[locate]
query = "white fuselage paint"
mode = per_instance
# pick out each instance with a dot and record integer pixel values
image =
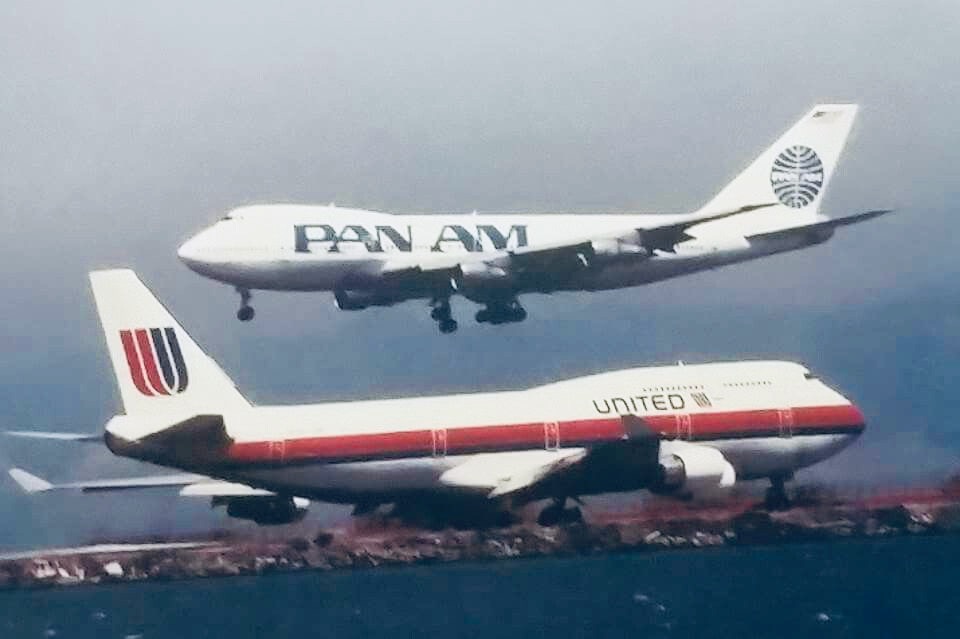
(324, 248)
(660, 395)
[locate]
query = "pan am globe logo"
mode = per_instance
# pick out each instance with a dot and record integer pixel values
(797, 176)
(155, 361)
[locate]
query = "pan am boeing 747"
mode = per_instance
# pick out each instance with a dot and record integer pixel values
(368, 258)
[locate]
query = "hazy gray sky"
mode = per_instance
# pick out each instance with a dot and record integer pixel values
(125, 127)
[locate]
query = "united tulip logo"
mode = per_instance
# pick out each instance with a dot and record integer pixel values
(155, 361)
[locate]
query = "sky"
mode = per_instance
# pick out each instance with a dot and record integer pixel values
(125, 127)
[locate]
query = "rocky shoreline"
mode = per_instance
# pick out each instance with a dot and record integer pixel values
(610, 533)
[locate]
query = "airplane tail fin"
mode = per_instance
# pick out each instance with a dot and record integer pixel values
(159, 368)
(795, 171)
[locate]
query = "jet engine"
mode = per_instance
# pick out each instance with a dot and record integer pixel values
(355, 300)
(265, 510)
(612, 249)
(689, 470)
(482, 282)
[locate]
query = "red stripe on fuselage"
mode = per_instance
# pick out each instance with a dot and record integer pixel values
(133, 362)
(533, 436)
(150, 362)
(802, 420)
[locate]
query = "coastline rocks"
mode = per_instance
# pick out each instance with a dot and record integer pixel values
(327, 550)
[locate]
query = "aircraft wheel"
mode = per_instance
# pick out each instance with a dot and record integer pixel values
(246, 313)
(482, 316)
(551, 515)
(776, 497)
(504, 519)
(448, 326)
(571, 516)
(519, 314)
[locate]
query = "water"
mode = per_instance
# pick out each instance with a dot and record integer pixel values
(892, 588)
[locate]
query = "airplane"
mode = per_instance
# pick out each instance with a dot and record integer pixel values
(367, 258)
(684, 431)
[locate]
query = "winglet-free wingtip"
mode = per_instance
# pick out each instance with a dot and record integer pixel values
(29, 483)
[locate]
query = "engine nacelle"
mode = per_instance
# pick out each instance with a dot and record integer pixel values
(481, 282)
(613, 248)
(690, 470)
(354, 300)
(265, 510)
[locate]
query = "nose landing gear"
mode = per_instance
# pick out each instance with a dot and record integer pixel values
(443, 316)
(245, 312)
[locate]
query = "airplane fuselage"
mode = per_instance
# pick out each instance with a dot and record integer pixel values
(307, 248)
(768, 419)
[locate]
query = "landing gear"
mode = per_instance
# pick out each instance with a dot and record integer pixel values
(776, 497)
(443, 316)
(556, 514)
(501, 313)
(246, 312)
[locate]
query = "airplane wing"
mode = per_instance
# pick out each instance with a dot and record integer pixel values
(531, 474)
(191, 485)
(825, 225)
(662, 237)
(575, 252)
(499, 474)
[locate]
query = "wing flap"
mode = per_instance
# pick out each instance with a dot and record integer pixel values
(32, 484)
(499, 474)
(662, 237)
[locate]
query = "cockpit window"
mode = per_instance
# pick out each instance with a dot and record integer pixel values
(809, 375)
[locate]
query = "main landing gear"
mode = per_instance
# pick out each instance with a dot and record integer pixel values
(776, 497)
(556, 513)
(443, 316)
(246, 312)
(501, 313)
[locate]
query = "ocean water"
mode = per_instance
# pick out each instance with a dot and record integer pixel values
(890, 588)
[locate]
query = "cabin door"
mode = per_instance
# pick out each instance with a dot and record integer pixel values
(786, 422)
(551, 436)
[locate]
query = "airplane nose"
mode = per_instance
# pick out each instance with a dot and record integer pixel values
(191, 252)
(859, 422)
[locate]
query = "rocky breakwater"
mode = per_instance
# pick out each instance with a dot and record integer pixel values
(394, 547)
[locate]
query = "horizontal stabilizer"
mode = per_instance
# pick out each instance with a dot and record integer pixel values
(825, 225)
(33, 484)
(29, 483)
(191, 485)
(67, 437)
